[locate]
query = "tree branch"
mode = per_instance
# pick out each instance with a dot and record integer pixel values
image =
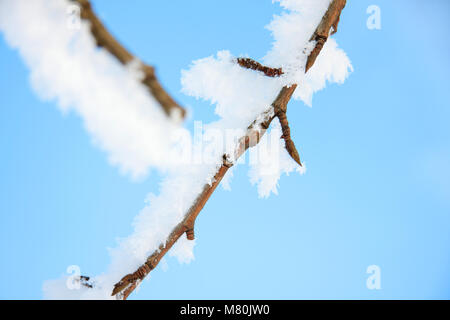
(254, 132)
(105, 40)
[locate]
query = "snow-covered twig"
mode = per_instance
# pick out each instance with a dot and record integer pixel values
(327, 26)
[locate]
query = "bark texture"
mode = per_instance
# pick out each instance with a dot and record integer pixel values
(255, 65)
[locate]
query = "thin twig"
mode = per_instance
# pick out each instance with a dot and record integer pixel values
(280, 112)
(289, 143)
(328, 25)
(255, 65)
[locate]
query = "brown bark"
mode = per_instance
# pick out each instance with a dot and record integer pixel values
(105, 40)
(328, 25)
(254, 132)
(255, 65)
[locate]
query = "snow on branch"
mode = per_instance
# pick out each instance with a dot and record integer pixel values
(128, 284)
(129, 120)
(104, 39)
(121, 115)
(249, 63)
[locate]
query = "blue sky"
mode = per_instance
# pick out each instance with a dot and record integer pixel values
(377, 189)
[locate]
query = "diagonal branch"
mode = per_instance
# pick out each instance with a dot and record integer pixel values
(105, 40)
(254, 132)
